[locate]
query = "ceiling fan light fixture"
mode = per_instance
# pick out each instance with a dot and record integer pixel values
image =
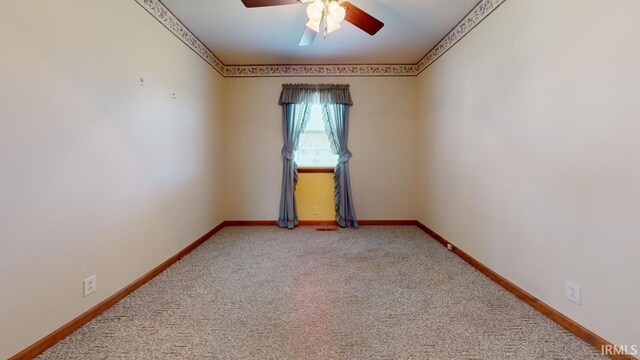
(325, 16)
(314, 13)
(332, 26)
(338, 14)
(315, 10)
(314, 25)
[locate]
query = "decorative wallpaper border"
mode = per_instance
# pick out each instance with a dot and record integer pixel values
(319, 70)
(158, 10)
(475, 17)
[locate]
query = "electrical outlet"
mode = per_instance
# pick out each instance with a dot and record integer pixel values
(573, 293)
(315, 210)
(90, 285)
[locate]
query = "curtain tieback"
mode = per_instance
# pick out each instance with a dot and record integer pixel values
(287, 153)
(344, 156)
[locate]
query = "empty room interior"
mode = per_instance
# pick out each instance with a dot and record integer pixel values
(320, 179)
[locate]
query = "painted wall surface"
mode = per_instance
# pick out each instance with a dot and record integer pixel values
(529, 143)
(315, 190)
(382, 138)
(99, 174)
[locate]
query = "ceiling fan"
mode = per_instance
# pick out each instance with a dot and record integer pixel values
(325, 16)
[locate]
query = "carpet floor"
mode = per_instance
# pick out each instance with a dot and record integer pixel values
(387, 292)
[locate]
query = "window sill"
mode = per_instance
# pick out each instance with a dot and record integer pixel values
(316, 170)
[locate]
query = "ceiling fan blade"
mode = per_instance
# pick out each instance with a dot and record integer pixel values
(307, 37)
(261, 3)
(361, 19)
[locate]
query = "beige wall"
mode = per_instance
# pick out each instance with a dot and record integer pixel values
(529, 143)
(99, 175)
(382, 138)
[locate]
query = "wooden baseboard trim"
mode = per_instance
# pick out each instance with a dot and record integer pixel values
(386, 222)
(64, 331)
(576, 329)
(319, 222)
(250, 223)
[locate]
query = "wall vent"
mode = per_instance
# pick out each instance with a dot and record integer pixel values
(327, 229)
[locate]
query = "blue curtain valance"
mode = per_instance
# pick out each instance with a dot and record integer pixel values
(315, 94)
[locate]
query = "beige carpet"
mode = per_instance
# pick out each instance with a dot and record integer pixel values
(372, 293)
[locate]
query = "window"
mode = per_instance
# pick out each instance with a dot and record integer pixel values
(314, 149)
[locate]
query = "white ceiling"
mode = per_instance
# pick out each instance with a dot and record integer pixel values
(270, 35)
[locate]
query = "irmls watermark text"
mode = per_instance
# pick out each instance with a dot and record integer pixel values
(619, 349)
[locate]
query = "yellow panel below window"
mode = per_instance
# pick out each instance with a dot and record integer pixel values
(315, 190)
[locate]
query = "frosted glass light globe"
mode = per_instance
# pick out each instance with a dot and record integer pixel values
(338, 14)
(314, 10)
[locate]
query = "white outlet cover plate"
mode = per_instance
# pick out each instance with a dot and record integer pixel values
(90, 285)
(574, 293)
